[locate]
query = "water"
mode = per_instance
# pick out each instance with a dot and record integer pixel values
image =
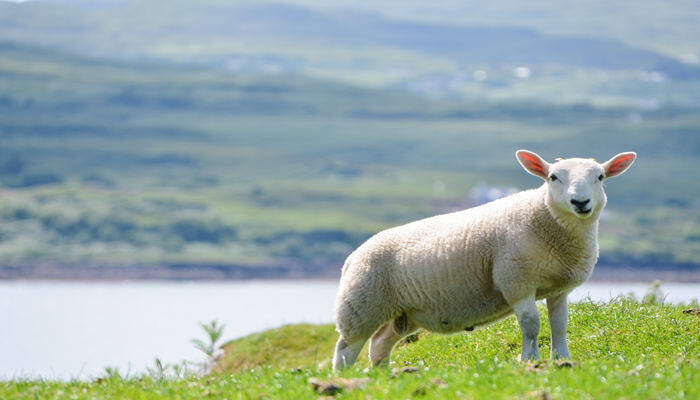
(63, 330)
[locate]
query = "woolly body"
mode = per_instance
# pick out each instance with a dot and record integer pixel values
(456, 271)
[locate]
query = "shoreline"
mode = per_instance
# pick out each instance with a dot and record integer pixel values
(224, 272)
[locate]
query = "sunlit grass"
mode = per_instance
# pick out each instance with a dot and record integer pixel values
(621, 349)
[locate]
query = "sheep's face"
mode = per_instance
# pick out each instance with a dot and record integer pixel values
(575, 185)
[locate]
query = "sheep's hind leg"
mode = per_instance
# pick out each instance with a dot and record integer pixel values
(346, 353)
(384, 339)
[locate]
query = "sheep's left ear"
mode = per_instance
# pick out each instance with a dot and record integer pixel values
(533, 163)
(619, 164)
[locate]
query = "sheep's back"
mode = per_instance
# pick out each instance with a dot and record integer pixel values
(442, 258)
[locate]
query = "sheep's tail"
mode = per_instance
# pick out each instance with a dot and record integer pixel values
(346, 264)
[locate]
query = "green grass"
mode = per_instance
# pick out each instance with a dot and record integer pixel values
(622, 350)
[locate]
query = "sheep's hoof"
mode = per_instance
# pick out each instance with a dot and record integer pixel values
(564, 363)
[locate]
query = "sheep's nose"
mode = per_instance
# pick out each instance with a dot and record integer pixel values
(580, 203)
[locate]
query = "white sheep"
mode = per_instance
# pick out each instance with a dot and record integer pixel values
(457, 271)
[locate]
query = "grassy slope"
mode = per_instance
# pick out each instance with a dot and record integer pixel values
(246, 35)
(646, 23)
(623, 349)
(155, 164)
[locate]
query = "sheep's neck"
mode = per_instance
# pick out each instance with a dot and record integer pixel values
(573, 231)
(587, 227)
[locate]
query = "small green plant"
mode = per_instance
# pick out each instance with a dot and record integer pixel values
(111, 373)
(654, 294)
(159, 370)
(180, 371)
(214, 331)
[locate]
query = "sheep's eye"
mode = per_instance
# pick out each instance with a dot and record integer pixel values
(600, 178)
(553, 177)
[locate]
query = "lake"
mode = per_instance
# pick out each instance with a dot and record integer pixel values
(64, 330)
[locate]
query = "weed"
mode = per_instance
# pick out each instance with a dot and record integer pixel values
(214, 331)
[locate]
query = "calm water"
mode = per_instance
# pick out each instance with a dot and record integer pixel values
(74, 329)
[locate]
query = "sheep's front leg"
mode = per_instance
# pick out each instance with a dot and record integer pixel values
(529, 320)
(557, 308)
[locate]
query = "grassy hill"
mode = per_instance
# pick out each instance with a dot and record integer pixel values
(623, 349)
(120, 163)
(647, 23)
(572, 56)
(245, 134)
(448, 29)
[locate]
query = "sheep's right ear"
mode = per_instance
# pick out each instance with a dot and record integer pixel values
(533, 163)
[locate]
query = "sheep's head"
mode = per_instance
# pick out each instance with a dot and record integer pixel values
(575, 185)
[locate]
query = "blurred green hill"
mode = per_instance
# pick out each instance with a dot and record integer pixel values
(204, 133)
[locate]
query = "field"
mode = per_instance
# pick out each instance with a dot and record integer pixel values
(134, 145)
(149, 164)
(624, 349)
(265, 139)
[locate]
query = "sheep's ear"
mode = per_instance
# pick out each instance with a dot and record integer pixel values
(619, 164)
(533, 163)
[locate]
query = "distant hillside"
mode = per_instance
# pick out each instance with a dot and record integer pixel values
(472, 45)
(654, 25)
(212, 32)
(120, 164)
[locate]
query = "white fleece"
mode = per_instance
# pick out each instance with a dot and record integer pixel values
(459, 270)
(456, 271)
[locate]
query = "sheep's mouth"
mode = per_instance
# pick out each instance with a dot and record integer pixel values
(581, 211)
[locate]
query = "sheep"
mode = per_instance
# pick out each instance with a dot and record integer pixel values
(457, 271)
